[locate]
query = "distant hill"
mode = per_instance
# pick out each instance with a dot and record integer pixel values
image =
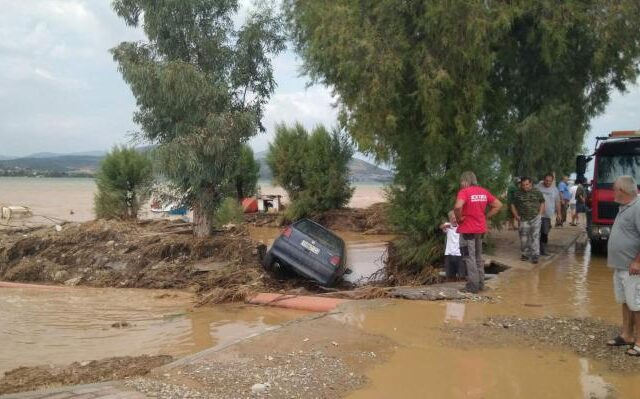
(51, 164)
(59, 164)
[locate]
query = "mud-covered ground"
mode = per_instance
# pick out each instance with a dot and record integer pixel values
(371, 220)
(158, 254)
(115, 368)
(585, 337)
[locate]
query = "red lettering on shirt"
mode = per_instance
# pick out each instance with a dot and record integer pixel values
(475, 200)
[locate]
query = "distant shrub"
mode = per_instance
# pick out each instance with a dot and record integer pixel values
(123, 181)
(245, 179)
(230, 211)
(312, 168)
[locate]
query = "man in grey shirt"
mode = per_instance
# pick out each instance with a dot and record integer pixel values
(624, 258)
(552, 209)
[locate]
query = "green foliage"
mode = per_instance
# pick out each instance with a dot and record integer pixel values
(312, 168)
(123, 181)
(230, 211)
(439, 87)
(201, 86)
(245, 179)
(286, 158)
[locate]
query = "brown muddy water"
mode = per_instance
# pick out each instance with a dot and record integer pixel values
(425, 364)
(42, 326)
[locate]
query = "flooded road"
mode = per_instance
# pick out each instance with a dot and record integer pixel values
(45, 326)
(365, 253)
(428, 364)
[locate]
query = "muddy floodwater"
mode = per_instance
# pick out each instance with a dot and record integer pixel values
(428, 363)
(365, 253)
(63, 325)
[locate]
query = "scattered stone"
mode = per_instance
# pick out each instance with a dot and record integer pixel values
(73, 281)
(259, 388)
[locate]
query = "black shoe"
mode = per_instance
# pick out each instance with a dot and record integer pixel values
(524, 258)
(534, 260)
(545, 253)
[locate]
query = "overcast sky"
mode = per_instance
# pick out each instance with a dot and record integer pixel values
(60, 90)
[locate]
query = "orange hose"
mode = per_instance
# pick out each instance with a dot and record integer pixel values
(310, 303)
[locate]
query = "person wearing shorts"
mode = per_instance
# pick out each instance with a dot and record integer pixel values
(624, 258)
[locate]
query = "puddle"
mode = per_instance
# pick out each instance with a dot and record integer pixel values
(425, 364)
(365, 253)
(74, 324)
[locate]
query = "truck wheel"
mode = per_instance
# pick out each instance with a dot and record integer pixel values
(598, 247)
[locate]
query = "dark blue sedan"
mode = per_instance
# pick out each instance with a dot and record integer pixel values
(309, 250)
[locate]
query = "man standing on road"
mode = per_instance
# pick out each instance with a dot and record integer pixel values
(527, 208)
(624, 257)
(471, 202)
(565, 197)
(551, 209)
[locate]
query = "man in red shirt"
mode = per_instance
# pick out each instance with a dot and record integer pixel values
(471, 202)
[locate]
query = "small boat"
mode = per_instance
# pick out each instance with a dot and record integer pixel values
(171, 209)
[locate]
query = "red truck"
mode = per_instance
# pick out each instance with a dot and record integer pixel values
(616, 155)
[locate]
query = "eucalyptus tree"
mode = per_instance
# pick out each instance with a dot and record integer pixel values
(437, 87)
(201, 80)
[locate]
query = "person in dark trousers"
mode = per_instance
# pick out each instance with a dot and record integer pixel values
(471, 203)
(527, 208)
(623, 256)
(452, 256)
(552, 209)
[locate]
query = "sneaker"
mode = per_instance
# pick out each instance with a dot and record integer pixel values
(534, 260)
(524, 258)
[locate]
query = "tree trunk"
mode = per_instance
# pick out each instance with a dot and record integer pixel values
(202, 221)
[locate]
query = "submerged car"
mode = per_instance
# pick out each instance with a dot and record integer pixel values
(310, 250)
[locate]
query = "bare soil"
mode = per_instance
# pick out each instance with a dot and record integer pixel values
(158, 254)
(151, 254)
(114, 368)
(371, 220)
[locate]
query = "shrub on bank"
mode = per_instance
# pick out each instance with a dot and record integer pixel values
(123, 181)
(312, 167)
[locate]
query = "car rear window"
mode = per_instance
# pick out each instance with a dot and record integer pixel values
(319, 234)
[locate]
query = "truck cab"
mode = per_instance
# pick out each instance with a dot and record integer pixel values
(616, 155)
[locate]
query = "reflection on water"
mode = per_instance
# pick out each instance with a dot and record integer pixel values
(575, 284)
(74, 324)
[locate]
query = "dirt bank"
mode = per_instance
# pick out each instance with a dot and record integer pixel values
(158, 254)
(152, 254)
(114, 368)
(585, 337)
(371, 220)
